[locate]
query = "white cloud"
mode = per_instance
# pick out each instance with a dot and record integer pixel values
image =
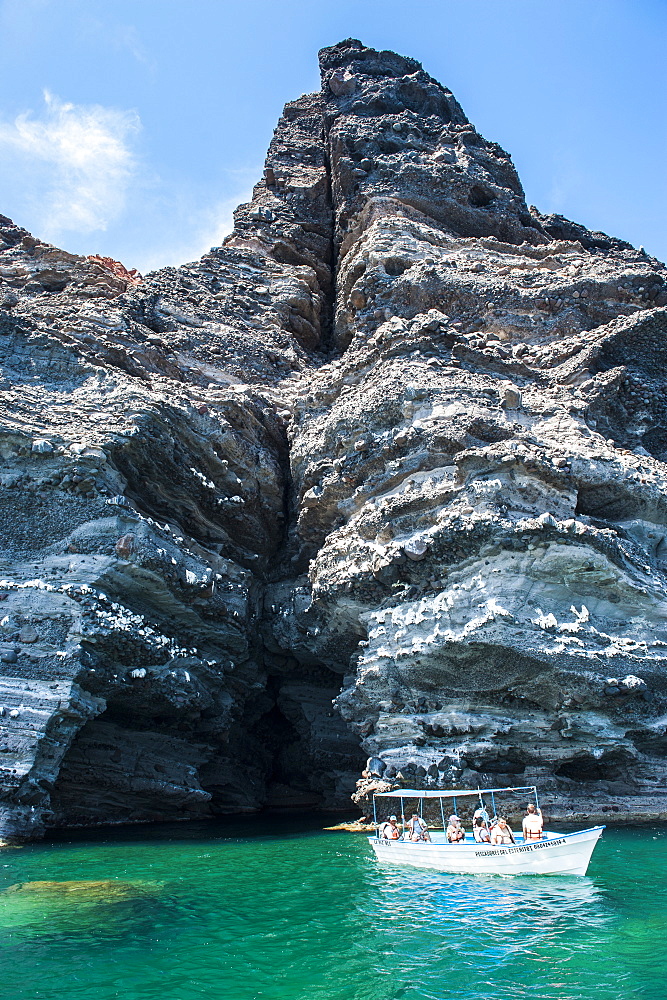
(77, 160)
(192, 232)
(126, 36)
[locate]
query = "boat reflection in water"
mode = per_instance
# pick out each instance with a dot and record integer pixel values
(550, 897)
(482, 929)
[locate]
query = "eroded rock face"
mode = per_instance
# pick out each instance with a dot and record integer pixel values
(399, 444)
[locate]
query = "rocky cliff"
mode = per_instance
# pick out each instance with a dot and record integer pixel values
(382, 475)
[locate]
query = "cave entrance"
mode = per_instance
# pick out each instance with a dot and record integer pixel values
(115, 773)
(289, 764)
(310, 758)
(287, 751)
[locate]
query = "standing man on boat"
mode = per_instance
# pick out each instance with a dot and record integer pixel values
(532, 823)
(481, 813)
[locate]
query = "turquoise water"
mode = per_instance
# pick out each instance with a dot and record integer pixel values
(259, 910)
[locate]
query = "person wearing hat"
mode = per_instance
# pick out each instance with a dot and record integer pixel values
(390, 829)
(455, 832)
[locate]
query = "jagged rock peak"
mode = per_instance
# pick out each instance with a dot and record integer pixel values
(353, 53)
(394, 133)
(347, 66)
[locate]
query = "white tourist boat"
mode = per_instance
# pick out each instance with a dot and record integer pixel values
(554, 854)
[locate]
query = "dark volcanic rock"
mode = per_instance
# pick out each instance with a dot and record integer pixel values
(384, 475)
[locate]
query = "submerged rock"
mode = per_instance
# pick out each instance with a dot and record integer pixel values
(85, 891)
(397, 445)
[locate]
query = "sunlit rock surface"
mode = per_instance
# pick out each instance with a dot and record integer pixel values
(381, 476)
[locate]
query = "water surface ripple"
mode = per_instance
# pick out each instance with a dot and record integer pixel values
(257, 910)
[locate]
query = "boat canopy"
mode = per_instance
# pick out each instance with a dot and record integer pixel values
(449, 793)
(453, 793)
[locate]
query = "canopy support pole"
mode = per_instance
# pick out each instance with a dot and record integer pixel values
(493, 805)
(442, 813)
(537, 801)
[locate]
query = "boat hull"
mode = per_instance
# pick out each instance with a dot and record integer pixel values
(558, 854)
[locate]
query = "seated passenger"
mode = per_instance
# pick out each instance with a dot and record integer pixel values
(417, 829)
(455, 832)
(532, 823)
(501, 833)
(480, 831)
(389, 830)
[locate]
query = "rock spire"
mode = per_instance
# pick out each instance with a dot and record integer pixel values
(383, 475)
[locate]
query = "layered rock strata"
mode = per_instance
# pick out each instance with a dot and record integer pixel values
(382, 475)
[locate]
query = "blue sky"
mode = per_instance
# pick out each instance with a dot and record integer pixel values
(132, 129)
